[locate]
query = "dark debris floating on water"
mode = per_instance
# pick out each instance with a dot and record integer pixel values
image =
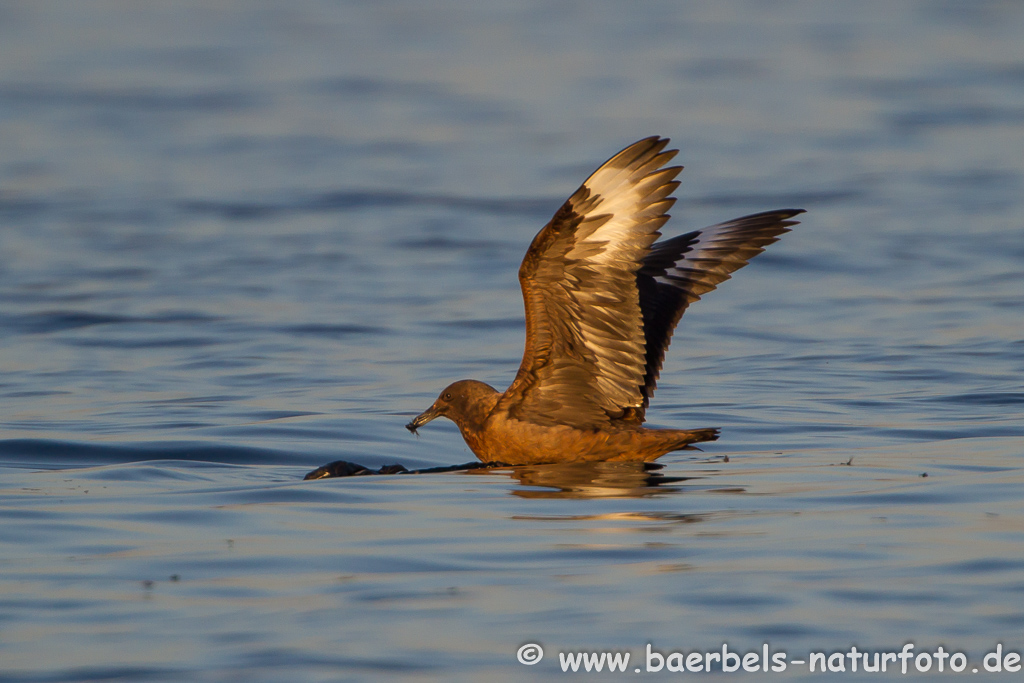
(344, 468)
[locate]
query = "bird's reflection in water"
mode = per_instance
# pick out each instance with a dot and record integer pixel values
(594, 480)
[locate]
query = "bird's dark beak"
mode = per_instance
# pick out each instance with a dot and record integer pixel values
(422, 419)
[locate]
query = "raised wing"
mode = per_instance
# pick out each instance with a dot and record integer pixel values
(678, 271)
(585, 359)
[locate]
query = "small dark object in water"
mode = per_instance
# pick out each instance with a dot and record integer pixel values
(343, 468)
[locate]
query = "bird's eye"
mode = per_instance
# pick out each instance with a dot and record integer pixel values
(448, 396)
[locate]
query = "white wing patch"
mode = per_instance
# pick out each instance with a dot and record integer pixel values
(623, 205)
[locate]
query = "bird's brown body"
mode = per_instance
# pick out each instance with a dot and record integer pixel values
(494, 435)
(602, 300)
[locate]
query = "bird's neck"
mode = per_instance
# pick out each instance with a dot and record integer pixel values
(477, 412)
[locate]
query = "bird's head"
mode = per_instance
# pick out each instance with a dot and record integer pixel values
(464, 402)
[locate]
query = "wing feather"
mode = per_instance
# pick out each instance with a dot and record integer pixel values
(678, 271)
(585, 357)
(603, 298)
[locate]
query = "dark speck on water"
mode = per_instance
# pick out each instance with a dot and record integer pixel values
(241, 240)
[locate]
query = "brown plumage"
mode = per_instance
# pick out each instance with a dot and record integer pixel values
(602, 300)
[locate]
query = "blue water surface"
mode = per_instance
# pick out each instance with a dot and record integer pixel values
(239, 240)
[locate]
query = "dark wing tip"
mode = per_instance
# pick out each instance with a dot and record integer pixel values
(784, 215)
(651, 146)
(778, 214)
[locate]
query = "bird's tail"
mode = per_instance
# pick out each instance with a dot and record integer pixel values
(654, 443)
(687, 436)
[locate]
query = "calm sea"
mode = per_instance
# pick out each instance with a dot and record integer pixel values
(241, 239)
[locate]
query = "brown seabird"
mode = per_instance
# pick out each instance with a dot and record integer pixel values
(602, 300)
